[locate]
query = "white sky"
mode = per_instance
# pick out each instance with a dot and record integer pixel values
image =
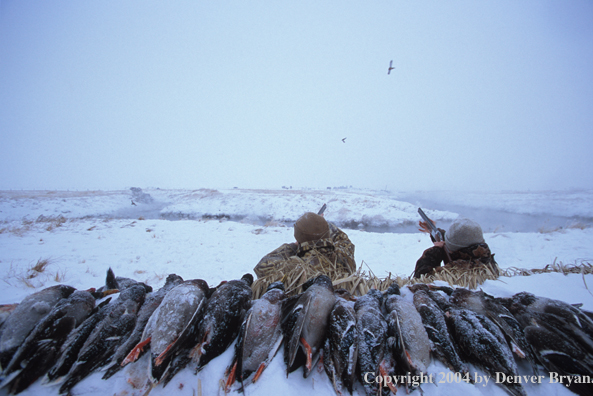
(489, 95)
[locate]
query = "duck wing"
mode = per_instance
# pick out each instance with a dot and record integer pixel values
(47, 347)
(300, 312)
(75, 341)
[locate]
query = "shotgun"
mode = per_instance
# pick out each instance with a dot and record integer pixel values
(320, 213)
(434, 231)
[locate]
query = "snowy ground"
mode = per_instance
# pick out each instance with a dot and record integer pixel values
(220, 235)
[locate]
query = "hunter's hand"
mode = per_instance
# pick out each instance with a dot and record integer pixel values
(424, 226)
(440, 244)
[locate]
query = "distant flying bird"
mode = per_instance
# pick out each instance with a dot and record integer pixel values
(390, 67)
(344, 140)
(133, 203)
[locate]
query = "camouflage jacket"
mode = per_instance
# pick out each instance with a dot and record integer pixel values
(468, 257)
(337, 249)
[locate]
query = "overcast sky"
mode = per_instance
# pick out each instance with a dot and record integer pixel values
(492, 95)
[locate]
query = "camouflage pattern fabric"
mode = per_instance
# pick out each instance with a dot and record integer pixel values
(466, 258)
(337, 249)
(272, 259)
(344, 249)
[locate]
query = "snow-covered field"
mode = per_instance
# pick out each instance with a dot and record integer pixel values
(221, 234)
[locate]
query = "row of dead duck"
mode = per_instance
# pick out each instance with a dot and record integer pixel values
(61, 334)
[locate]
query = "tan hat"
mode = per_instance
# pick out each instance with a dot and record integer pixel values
(310, 227)
(463, 233)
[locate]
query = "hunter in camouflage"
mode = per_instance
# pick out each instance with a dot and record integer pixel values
(466, 246)
(318, 243)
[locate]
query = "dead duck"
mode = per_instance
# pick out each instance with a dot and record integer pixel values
(305, 321)
(179, 311)
(216, 329)
(223, 315)
(561, 355)
(26, 315)
(104, 338)
(340, 352)
(77, 338)
(152, 301)
(442, 345)
(483, 344)
(40, 360)
(567, 318)
(408, 338)
(74, 342)
(556, 350)
(259, 338)
(488, 306)
(371, 329)
(480, 341)
(39, 350)
(557, 335)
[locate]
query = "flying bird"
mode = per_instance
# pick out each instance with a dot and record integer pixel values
(390, 67)
(344, 140)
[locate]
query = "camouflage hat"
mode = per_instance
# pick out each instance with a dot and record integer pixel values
(310, 227)
(463, 233)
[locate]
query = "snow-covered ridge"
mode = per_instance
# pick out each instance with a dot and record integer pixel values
(345, 208)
